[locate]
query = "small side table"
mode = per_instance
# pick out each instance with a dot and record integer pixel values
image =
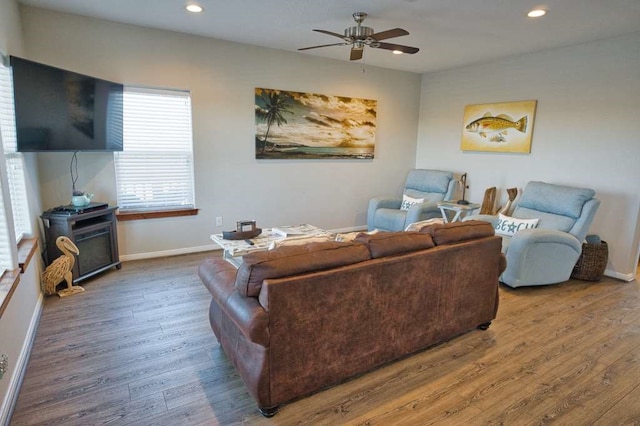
(461, 210)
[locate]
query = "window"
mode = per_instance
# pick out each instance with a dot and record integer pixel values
(155, 170)
(15, 192)
(7, 245)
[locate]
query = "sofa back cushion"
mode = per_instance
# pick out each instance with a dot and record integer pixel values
(292, 260)
(449, 233)
(390, 243)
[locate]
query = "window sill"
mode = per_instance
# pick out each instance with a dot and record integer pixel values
(10, 279)
(139, 215)
(8, 283)
(26, 249)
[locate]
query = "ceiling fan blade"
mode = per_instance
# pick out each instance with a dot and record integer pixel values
(383, 35)
(391, 46)
(356, 53)
(331, 33)
(323, 45)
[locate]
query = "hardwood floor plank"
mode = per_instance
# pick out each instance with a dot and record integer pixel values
(41, 394)
(625, 412)
(137, 348)
(76, 408)
(175, 378)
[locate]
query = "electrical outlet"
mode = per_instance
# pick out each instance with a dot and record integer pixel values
(219, 221)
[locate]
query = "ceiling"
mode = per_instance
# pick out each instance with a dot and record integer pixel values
(449, 33)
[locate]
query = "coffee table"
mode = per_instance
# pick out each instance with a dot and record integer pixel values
(233, 250)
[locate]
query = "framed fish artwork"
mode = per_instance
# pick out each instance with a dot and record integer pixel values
(499, 127)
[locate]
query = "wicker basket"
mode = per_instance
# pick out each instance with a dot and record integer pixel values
(592, 262)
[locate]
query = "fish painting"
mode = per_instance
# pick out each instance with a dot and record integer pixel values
(498, 124)
(499, 127)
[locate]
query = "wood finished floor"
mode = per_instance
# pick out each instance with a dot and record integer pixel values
(136, 348)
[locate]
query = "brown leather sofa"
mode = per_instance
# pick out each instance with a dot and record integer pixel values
(298, 319)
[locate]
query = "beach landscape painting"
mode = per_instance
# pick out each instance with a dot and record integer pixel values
(296, 125)
(499, 127)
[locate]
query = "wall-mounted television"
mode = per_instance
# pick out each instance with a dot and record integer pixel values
(59, 110)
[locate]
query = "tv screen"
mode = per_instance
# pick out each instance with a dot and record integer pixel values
(59, 110)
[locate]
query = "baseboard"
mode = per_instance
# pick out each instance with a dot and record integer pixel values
(166, 253)
(21, 365)
(620, 276)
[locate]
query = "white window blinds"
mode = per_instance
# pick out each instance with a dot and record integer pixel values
(14, 160)
(7, 241)
(155, 170)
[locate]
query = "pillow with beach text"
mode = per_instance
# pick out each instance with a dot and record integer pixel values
(508, 226)
(407, 202)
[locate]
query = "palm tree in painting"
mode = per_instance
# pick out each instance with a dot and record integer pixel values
(275, 105)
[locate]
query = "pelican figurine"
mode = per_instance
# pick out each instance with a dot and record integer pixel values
(60, 269)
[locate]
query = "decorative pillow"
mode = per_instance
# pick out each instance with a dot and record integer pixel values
(407, 202)
(508, 226)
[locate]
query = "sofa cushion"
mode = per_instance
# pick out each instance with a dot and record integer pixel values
(292, 260)
(449, 233)
(390, 243)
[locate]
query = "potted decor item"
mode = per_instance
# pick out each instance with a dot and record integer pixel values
(81, 199)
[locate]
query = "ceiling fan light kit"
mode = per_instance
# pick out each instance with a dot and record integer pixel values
(360, 36)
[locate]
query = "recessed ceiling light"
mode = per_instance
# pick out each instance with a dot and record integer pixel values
(397, 52)
(536, 13)
(194, 8)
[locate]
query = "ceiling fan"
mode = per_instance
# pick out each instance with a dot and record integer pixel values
(360, 36)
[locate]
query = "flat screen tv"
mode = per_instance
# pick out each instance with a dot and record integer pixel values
(59, 110)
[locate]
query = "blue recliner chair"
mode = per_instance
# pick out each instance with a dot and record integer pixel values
(386, 214)
(547, 253)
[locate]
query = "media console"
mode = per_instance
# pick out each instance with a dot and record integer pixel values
(93, 231)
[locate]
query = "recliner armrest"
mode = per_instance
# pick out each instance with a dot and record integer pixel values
(526, 237)
(385, 203)
(380, 203)
(540, 256)
(415, 212)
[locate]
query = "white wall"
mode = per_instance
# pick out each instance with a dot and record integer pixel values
(586, 130)
(222, 77)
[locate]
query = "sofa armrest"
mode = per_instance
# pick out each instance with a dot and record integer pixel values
(381, 203)
(249, 316)
(246, 313)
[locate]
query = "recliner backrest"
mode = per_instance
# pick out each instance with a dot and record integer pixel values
(432, 185)
(558, 207)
